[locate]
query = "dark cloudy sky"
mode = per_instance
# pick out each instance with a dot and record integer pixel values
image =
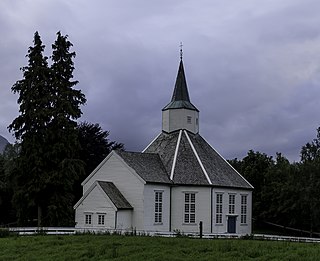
(252, 67)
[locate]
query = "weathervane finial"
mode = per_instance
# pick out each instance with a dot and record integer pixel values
(181, 52)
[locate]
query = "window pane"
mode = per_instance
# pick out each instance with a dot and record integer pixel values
(193, 198)
(186, 197)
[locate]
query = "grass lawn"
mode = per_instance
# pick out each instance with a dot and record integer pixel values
(114, 247)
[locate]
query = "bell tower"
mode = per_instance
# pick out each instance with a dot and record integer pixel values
(180, 113)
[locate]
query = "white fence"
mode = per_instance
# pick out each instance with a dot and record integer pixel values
(72, 230)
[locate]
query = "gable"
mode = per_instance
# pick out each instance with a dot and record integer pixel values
(113, 168)
(110, 193)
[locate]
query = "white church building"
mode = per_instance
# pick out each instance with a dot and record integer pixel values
(175, 183)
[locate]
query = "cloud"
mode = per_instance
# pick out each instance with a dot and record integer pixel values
(252, 66)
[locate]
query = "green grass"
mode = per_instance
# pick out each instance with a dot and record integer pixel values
(111, 247)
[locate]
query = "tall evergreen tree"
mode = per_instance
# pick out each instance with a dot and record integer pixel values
(48, 164)
(30, 129)
(62, 157)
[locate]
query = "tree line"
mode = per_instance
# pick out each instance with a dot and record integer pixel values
(40, 175)
(285, 193)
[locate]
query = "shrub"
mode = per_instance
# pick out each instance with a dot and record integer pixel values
(4, 232)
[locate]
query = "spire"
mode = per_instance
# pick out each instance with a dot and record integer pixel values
(180, 92)
(180, 97)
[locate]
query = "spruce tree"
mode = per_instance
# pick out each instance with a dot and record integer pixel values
(62, 158)
(48, 164)
(30, 129)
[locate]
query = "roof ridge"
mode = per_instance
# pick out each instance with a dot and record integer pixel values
(198, 158)
(175, 155)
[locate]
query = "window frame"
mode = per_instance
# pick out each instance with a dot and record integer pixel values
(158, 207)
(244, 209)
(232, 204)
(88, 218)
(101, 219)
(189, 213)
(219, 208)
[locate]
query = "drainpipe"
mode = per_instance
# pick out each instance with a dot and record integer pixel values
(211, 208)
(115, 219)
(170, 208)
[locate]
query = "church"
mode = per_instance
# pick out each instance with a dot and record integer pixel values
(175, 183)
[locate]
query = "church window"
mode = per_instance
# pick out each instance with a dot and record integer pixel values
(189, 119)
(232, 199)
(88, 219)
(158, 196)
(244, 201)
(189, 208)
(219, 208)
(101, 218)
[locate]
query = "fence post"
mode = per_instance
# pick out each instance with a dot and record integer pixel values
(201, 228)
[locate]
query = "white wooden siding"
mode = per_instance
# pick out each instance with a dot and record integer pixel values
(203, 196)
(176, 119)
(124, 219)
(240, 228)
(95, 203)
(129, 184)
(149, 206)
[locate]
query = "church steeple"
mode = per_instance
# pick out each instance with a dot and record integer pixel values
(180, 97)
(180, 113)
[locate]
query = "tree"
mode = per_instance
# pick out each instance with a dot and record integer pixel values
(30, 129)
(7, 183)
(62, 157)
(48, 163)
(310, 181)
(95, 144)
(311, 151)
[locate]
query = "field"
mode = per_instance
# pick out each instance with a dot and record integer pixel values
(115, 247)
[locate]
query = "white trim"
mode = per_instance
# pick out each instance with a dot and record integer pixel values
(198, 158)
(229, 164)
(113, 153)
(97, 168)
(151, 142)
(175, 155)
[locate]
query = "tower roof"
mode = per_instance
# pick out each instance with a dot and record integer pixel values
(180, 98)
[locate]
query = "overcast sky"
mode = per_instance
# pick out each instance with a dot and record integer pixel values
(252, 67)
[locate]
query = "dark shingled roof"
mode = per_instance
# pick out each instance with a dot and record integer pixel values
(115, 195)
(188, 170)
(147, 165)
(180, 97)
(219, 171)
